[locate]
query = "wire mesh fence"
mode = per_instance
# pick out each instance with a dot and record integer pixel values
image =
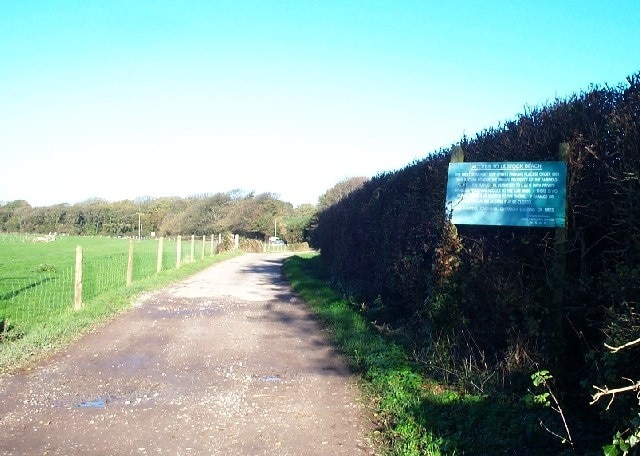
(38, 274)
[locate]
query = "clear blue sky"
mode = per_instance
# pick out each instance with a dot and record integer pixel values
(120, 99)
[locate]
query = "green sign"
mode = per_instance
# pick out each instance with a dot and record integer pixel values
(507, 193)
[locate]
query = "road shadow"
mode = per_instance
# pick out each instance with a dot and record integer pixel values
(15, 292)
(293, 320)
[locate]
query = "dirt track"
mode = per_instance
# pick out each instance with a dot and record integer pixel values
(228, 362)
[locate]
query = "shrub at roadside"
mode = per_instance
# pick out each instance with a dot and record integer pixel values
(416, 415)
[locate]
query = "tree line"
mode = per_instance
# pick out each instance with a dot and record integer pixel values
(247, 214)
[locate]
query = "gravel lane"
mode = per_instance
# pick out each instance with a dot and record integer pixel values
(227, 362)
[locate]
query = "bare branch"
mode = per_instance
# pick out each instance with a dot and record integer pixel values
(628, 344)
(555, 434)
(559, 410)
(612, 392)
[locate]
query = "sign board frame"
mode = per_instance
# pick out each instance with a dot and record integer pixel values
(527, 194)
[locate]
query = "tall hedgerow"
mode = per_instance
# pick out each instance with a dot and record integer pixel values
(491, 305)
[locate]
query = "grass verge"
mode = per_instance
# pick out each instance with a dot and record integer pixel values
(22, 350)
(416, 415)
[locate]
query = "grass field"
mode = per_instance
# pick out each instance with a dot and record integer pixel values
(37, 285)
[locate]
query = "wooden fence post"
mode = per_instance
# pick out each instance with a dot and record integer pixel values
(556, 314)
(130, 264)
(179, 251)
(77, 302)
(204, 243)
(160, 252)
(193, 248)
(211, 252)
(457, 155)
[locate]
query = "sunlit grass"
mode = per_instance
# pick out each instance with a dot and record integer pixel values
(37, 278)
(416, 415)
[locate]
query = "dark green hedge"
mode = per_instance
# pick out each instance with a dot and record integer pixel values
(506, 298)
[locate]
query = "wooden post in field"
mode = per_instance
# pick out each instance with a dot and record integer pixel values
(178, 251)
(193, 247)
(204, 243)
(130, 264)
(160, 252)
(211, 252)
(77, 302)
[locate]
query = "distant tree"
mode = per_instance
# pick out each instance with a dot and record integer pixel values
(14, 215)
(171, 225)
(254, 216)
(305, 210)
(165, 215)
(296, 225)
(201, 214)
(46, 219)
(340, 190)
(212, 210)
(56, 217)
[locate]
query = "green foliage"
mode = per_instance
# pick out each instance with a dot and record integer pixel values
(624, 443)
(485, 305)
(540, 378)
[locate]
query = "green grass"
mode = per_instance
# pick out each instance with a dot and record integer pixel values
(416, 415)
(37, 288)
(36, 279)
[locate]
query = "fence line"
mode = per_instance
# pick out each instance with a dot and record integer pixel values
(271, 247)
(38, 282)
(77, 298)
(41, 280)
